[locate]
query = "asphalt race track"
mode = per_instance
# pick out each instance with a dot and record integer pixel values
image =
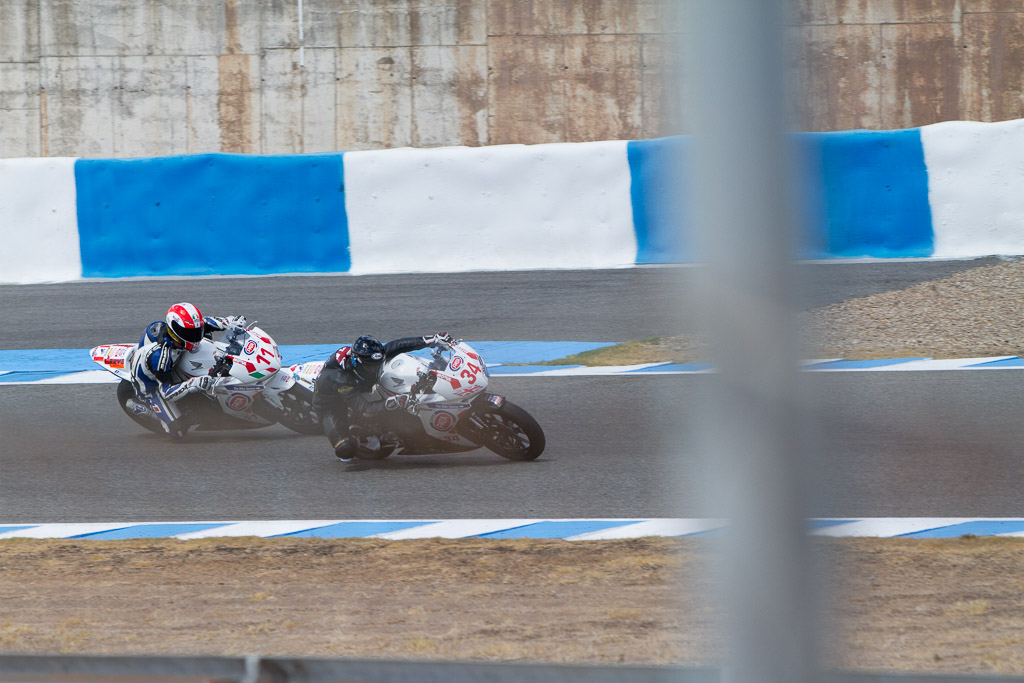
(922, 444)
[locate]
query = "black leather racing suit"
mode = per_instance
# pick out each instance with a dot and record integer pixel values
(339, 392)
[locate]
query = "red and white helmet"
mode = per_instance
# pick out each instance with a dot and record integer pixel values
(185, 326)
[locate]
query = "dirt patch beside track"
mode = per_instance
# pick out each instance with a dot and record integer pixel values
(898, 604)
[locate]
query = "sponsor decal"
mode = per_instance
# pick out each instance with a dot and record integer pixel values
(250, 346)
(451, 380)
(117, 352)
(456, 363)
(397, 363)
(445, 406)
(195, 365)
(245, 387)
(452, 437)
(397, 380)
(238, 402)
(442, 421)
(495, 400)
(139, 409)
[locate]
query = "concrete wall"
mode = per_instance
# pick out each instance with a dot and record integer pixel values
(109, 78)
(886, 64)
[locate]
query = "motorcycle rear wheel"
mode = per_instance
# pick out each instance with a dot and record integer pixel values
(298, 414)
(512, 433)
(127, 399)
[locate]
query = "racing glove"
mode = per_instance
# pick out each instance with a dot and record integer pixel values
(217, 322)
(189, 386)
(438, 338)
(204, 384)
(396, 402)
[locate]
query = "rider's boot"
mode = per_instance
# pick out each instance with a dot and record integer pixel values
(345, 450)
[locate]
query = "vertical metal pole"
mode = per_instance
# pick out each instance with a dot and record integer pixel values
(752, 419)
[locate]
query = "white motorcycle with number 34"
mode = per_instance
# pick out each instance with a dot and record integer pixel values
(450, 411)
(249, 387)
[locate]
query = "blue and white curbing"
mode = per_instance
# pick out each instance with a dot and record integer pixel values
(948, 190)
(33, 367)
(497, 529)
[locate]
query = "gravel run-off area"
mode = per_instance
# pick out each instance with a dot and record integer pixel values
(978, 312)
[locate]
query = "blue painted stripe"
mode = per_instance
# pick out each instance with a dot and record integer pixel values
(149, 531)
(865, 194)
(15, 377)
(4, 529)
(48, 360)
(212, 214)
(658, 170)
(862, 364)
(1005, 363)
(557, 529)
(78, 360)
(353, 529)
(675, 367)
(977, 528)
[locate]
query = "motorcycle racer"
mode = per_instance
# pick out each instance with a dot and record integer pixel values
(350, 372)
(161, 348)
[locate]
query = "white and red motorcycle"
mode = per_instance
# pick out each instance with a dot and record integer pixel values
(447, 409)
(250, 389)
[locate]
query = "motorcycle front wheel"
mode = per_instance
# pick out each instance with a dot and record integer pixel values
(137, 410)
(512, 433)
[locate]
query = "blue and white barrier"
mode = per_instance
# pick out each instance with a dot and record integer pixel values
(947, 190)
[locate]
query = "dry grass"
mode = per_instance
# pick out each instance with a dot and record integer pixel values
(459, 599)
(953, 605)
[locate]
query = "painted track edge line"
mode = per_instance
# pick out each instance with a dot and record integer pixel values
(574, 529)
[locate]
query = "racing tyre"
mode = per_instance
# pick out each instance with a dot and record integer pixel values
(136, 409)
(298, 414)
(512, 433)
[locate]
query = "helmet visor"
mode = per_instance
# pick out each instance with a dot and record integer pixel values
(186, 336)
(368, 365)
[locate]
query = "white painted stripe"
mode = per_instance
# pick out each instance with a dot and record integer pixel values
(604, 370)
(264, 529)
(40, 237)
(652, 527)
(518, 207)
(975, 187)
(457, 528)
(60, 530)
(84, 377)
(942, 364)
(886, 527)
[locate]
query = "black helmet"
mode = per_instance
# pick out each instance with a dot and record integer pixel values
(367, 357)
